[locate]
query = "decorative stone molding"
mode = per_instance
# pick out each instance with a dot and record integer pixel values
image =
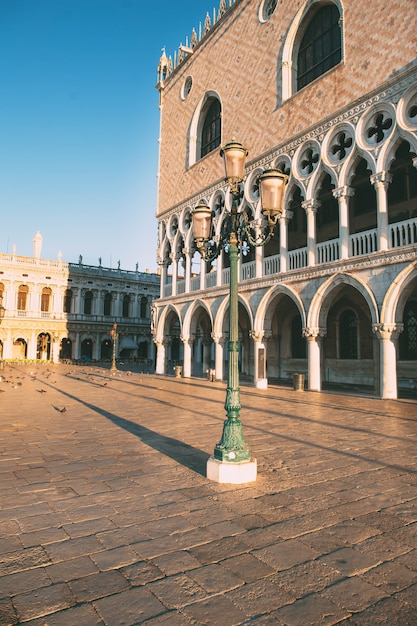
(388, 331)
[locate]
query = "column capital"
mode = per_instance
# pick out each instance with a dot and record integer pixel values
(343, 192)
(257, 335)
(312, 332)
(311, 206)
(387, 331)
(218, 338)
(381, 179)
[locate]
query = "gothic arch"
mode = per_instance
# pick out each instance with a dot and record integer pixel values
(397, 295)
(221, 313)
(266, 305)
(188, 317)
(161, 325)
(321, 302)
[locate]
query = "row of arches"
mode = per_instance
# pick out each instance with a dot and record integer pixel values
(341, 336)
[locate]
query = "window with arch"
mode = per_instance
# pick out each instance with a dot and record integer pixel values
(363, 204)
(88, 303)
(46, 299)
(402, 191)
(1, 294)
(328, 211)
(211, 126)
(348, 335)
(408, 338)
(22, 297)
(320, 48)
(107, 304)
(144, 307)
(67, 300)
(126, 305)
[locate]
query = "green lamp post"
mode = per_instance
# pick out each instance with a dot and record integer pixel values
(231, 461)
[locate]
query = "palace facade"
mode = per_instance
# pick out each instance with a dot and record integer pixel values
(55, 311)
(325, 91)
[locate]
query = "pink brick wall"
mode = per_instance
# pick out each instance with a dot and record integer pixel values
(239, 60)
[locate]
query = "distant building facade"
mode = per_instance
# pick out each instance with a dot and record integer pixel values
(55, 311)
(325, 91)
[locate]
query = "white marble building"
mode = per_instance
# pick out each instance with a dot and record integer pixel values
(51, 310)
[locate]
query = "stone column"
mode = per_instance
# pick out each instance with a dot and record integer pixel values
(163, 270)
(310, 207)
(55, 347)
(283, 242)
(187, 348)
(160, 356)
(314, 337)
(187, 270)
(387, 335)
(381, 180)
(342, 194)
(219, 342)
(174, 259)
(260, 379)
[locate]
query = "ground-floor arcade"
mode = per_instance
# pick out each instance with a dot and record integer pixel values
(354, 328)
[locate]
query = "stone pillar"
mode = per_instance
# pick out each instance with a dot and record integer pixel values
(387, 335)
(260, 379)
(219, 341)
(202, 274)
(381, 180)
(283, 242)
(55, 347)
(314, 337)
(310, 207)
(342, 194)
(174, 259)
(187, 348)
(160, 356)
(76, 346)
(163, 270)
(187, 269)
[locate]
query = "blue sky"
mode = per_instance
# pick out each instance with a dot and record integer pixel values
(79, 124)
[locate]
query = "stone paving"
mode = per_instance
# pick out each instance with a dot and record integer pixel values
(107, 518)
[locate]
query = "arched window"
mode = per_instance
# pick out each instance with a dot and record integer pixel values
(126, 306)
(348, 335)
(362, 205)
(1, 298)
(143, 307)
(107, 304)
(22, 296)
(88, 303)
(321, 46)
(211, 127)
(328, 212)
(46, 299)
(402, 191)
(408, 338)
(67, 300)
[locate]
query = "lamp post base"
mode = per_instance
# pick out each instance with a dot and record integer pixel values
(232, 473)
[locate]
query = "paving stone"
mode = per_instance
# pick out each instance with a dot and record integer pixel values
(248, 567)
(176, 562)
(216, 578)
(98, 585)
(209, 611)
(43, 601)
(141, 573)
(71, 569)
(7, 613)
(19, 560)
(218, 550)
(353, 594)
(349, 561)
(129, 607)
(306, 578)
(286, 554)
(260, 596)
(84, 615)
(177, 591)
(313, 609)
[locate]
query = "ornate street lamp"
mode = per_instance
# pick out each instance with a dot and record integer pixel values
(114, 335)
(231, 462)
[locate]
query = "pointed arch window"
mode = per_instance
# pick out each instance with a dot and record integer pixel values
(321, 46)
(211, 126)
